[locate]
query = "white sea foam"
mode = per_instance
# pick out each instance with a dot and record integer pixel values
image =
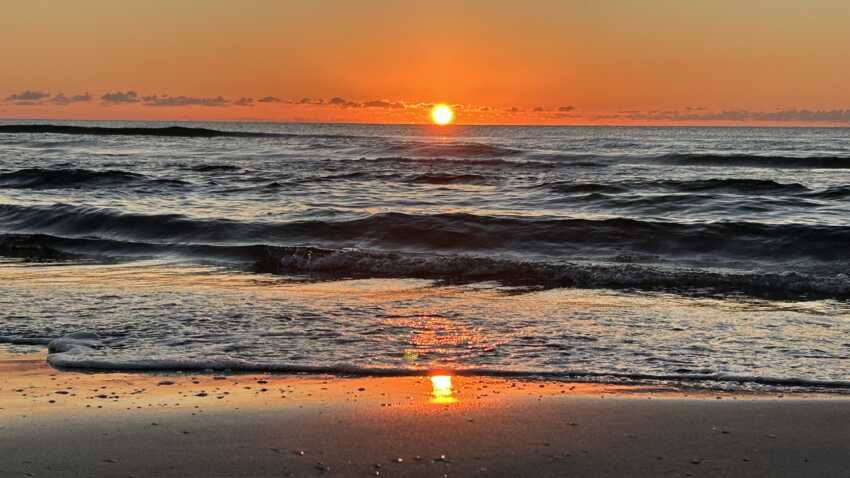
(72, 352)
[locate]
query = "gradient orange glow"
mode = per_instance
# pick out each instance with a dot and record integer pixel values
(380, 61)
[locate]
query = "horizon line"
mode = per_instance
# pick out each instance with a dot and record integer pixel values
(767, 125)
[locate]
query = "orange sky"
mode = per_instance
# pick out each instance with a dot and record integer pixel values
(579, 61)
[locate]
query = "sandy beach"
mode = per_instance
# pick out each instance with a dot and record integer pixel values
(56, 423)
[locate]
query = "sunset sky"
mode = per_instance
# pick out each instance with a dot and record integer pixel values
(530, 62)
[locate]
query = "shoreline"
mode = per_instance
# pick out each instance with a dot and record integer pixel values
(120, 424)
(694, 383)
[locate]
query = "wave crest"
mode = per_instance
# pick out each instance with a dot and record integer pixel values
(453, 232)
(37, 178)
(755, 161)
(323, 263)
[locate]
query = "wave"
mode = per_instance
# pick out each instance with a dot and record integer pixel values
(713, 185)
(207, 168)
(733, 185)
(74, 352)
(449, 162)
(46, 247)
(321, 263)
(835, 192)
(34, 248)
(37, 178)
(172, 131)
(456, 150)
(446, 178)
(465, 269)
(568, 187)
(451, 233)
(376, 176)
(752, 161)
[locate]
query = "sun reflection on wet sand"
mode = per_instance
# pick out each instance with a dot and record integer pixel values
(441, 390)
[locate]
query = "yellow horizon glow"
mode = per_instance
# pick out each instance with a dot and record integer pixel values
(442, 114)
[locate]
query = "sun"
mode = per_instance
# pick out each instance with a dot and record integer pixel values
(442, 114)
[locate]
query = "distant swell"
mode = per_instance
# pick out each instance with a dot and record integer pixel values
(206, 168)
(736, 186)
(565, 187)
(489, 163)
(756, 161)
(37, 178)
(744, 187)
(175, 131)
(444, 178)
(460, 150)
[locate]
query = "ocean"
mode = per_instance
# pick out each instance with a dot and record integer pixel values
(708, 256)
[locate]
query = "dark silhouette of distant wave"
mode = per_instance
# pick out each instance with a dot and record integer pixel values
(77, 178)
(175, 131)
(741, 186)
(754, 161)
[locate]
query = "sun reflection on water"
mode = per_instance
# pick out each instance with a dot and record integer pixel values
(441, 390)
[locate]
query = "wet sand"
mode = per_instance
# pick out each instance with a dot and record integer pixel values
(119, 425)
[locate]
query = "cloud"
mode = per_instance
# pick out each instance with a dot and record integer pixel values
(419, 106)
(270, 99)
(538, 109)
(27, 97)
(244, 102)
(383, 104)
(63, 100)
(339, 101)
(120, 97)
(166, 100)
(566, 109)
(318, 101)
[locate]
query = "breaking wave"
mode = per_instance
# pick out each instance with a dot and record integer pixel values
(451, 232)
(322, 263)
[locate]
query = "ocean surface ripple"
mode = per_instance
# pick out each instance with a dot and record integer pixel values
(742, 225)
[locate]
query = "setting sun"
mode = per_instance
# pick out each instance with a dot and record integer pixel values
(442, 114)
